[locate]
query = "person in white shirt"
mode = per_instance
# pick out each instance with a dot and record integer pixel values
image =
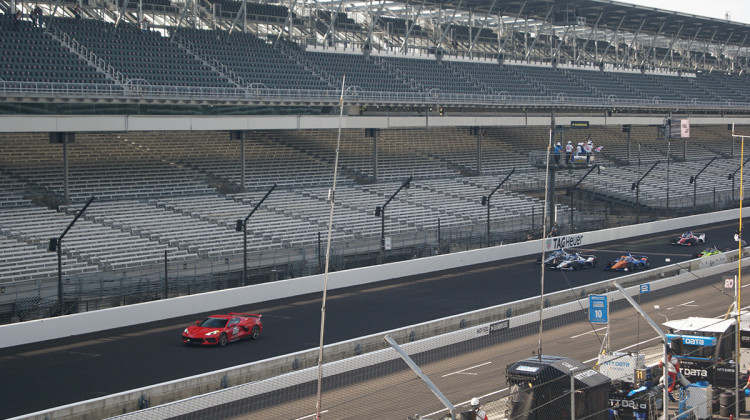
(478, 412)
(589, 148)
(569, 153)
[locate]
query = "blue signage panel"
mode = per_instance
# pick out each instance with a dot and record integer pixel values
(645, 288)
(598, 309)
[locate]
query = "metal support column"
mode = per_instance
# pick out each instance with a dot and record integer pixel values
(479, 151)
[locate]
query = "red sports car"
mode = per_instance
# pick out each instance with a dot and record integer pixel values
(223, 329)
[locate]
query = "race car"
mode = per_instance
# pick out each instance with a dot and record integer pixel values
(222, 329)
(553, 258)
(709, 251)
(628, 263)
(689, 239)
(576, 261)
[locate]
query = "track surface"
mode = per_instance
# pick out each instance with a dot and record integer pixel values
(481, 372)
(58, 372)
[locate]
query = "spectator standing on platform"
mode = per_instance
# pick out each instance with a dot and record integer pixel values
(557, 152)
(144, 25)
(569, 152)
(37, 16)
(77, 12)
(16, 19)
(589, 149)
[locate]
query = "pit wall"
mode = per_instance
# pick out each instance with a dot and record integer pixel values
(124, 316)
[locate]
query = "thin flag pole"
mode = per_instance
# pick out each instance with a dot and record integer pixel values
(318, 403)
(544, 239)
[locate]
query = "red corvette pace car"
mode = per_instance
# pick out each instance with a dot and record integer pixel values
(222, 329)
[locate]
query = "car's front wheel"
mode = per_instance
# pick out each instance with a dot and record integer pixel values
(223, 339)
(255, 334)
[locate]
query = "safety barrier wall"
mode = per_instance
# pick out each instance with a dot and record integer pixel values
(123, 123)
(204, 391)
(123, 316)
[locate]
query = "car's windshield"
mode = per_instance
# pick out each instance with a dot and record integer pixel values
(213, 323)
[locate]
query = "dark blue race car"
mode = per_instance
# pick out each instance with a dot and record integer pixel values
(576, 261)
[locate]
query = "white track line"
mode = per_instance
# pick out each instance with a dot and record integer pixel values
(464, 370)
(589, 332)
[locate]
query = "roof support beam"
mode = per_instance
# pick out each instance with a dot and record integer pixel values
(240, 12)
(507, 37)
(723, 46)
(448, 25)
(737, 53)
(582, 50)
(538, 32)
(289, 23)
(408, 30)
(556, 53)
(705, 50)
(635, 39)
(329, 26)
(611, 40)
(373, 19)
(481, 28)
(671, 44)
(686, 52)
(653, 45)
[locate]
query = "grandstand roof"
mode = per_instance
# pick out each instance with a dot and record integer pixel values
(609, 15)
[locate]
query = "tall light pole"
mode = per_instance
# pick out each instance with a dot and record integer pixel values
(241, 226)
(380, 212)
(637, 187)
(694, 181)
(321, 348)
(486, 202)
(55, 244)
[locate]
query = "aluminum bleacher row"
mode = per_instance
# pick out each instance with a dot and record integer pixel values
(162, 191)
(216, 59)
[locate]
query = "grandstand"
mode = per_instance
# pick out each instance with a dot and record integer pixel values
(454, 104)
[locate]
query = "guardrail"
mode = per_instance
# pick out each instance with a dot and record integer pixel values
(358, 97)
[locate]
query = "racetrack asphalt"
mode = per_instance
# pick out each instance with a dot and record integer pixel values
(57, 372)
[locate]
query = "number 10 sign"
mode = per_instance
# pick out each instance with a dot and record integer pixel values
(598, 309)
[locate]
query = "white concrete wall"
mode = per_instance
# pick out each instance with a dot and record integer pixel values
(123, 316)
(120, 123)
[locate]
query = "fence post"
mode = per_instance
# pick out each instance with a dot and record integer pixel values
(166, 276)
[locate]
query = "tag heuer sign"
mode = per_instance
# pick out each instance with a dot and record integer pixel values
(579, 124)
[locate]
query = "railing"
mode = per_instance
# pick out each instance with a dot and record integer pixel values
(210, 61)
(89, 55)
(305, 96)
